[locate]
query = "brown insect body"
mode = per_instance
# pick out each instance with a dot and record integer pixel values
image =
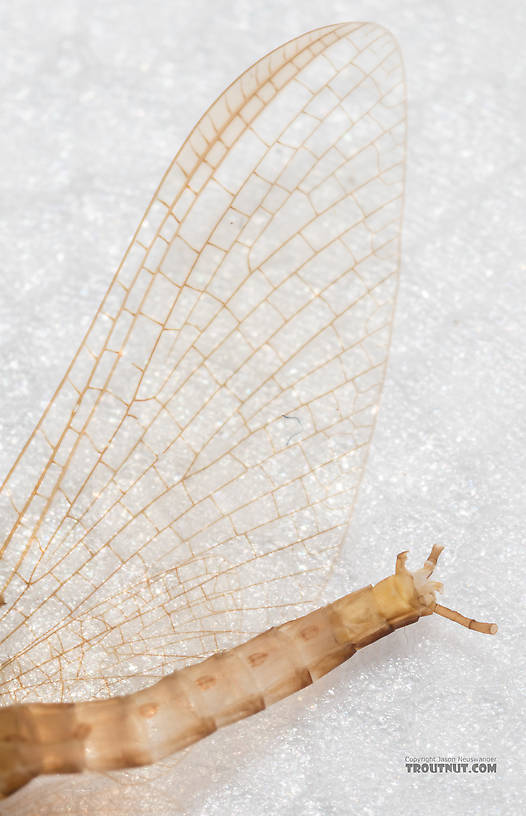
(164, 487)
(189, 704)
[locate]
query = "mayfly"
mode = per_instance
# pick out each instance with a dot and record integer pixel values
(164, 509)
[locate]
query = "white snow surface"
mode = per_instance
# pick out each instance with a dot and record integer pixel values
(96, 99)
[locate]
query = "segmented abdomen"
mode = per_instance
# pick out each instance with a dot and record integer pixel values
(140, 728)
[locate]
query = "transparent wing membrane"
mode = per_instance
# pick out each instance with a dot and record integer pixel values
(191, 481)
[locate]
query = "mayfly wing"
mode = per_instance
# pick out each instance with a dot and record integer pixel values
(192, 478)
